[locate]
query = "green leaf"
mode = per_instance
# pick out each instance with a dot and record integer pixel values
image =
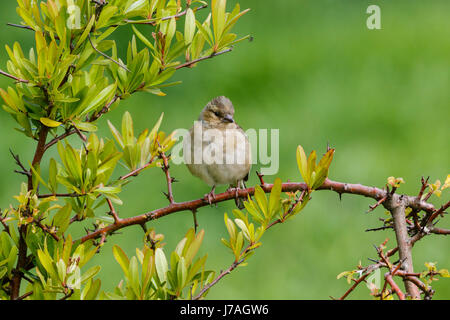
(85, 126)
(302, 164)
(47, 263)
(194, 247)
(117, 136)
(91, 290)
(218, 18)
(50, 123)
(52, 182)
(3, 271)
(127, 129)
(62, 218)
(161, 264)
(121, 258)
(261, 199)
(86, 32)
(182, 272)
(133, 276)
(61, 267)
(143, 38)
(108, 190)
(275, 196)
(99, 99)
(90, 273)
(189, 26)
(231, 228)
(241, 224)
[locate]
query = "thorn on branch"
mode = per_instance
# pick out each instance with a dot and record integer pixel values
(165, 167)
(373, 207)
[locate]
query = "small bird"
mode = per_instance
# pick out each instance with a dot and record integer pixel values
(217, 150)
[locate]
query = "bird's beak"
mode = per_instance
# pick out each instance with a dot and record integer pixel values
(228, 118)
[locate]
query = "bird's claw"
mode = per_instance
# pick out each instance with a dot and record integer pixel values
(209, 197)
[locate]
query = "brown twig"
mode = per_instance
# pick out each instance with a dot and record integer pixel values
(373, 207)
(105, 109)
(169, 179)
(22, 297)
(216, 280)
(112, 211)
(135, 172)
(13, 77)
(60, 138)
(190, 63)
(62, 195)
(355, 284)
(423, 188)
(394, 286)
(46, 229)
(24, 171)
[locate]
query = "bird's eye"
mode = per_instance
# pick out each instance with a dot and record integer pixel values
(217, 114)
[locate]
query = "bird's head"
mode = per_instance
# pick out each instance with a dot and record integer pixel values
(219, 111)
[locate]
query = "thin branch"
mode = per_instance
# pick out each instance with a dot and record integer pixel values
(357, 282)
(373, 207)
(13, 77)
(435, 214)
(169, 179)
(16, 158)
(106, 56)
(105, 109)
(5, 226)
(394, 286)
(62, 195)
(19, 26)
(217, 279)
(112, 211)
(190, 63)
(59, 138)
(260, 177)
(22, 297)
(423, 188)
(46, 229)
(135, 172)
(155, 20)
(379, 228)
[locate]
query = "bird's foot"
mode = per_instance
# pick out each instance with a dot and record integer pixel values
(209, 197)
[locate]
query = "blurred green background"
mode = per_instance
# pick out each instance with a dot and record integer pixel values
(315, 72)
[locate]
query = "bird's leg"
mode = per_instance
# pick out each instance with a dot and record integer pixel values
(209, 197)
(238, 201)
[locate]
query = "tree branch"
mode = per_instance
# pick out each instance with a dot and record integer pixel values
(339, 187)
(397, 207)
